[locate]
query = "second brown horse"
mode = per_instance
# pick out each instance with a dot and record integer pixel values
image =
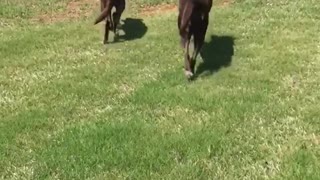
(111, 21)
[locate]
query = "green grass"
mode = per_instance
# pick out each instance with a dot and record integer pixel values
(25, 9)
(71, 108)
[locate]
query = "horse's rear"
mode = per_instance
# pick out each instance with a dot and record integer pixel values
(113, 20)
(193, 21)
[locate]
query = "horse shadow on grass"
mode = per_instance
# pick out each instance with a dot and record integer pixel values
(132, 28)
(216, 53)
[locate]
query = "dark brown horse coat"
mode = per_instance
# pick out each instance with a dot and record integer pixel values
(193, 21)
(112, 21)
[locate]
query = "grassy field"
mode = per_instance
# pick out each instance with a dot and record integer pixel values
(71, 108)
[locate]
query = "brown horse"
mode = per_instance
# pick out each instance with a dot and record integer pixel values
(193, 21)
(112, 21)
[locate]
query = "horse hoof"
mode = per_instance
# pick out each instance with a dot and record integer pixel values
(189, 75)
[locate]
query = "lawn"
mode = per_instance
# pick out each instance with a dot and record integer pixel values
(72, 108)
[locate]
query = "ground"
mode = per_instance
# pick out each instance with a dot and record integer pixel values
(72, 108)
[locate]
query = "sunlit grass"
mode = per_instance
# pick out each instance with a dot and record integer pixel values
(71, 108)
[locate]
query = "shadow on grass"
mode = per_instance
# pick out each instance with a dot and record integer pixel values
(216, 53)
(133, 29)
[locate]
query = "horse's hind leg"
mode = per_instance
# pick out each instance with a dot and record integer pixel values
(106, 32)
(187, 59)
(120, 7)
(199, 38)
